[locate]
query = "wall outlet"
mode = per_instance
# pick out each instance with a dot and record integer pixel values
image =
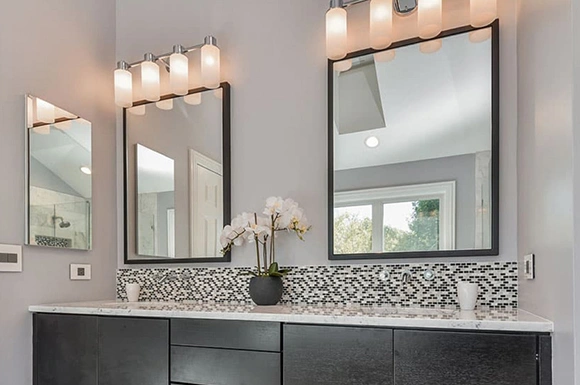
(80, 272)
(530, 266)
(11, 258)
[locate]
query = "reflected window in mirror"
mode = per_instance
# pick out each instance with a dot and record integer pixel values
(59, 177)
(177, 178)
(413, 148)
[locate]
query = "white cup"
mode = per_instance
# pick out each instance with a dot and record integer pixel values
(132, 290)
(467, 293)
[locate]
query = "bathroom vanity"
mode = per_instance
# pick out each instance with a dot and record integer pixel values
(108, 343)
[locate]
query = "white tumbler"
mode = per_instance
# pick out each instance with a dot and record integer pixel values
(132, 290)
(467, 294)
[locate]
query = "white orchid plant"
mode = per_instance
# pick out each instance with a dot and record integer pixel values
(280, 215)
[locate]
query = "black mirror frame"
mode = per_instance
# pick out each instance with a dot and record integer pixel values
(495, 158)
(227, 194)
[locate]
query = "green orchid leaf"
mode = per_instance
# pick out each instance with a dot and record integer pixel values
(273, 268)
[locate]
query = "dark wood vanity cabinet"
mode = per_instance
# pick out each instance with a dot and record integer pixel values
(326, 355)
(89, 350)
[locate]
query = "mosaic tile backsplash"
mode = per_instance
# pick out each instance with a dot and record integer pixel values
(336, 284)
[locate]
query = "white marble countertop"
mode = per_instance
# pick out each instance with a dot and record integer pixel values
(491, 320)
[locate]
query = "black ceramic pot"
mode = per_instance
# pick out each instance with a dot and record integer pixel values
(266, 291)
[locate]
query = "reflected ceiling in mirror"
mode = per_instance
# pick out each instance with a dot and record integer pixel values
(59, 181)
(413, 142)
(177, 178)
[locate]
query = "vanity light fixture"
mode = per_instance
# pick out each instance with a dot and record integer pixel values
(372, 142)
(193, 99)
(177, 64)
(45, 112)
(429, 20)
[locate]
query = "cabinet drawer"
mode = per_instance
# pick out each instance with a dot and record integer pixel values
(263, 336)
(457, 358)
(330, 355)
(207, 366)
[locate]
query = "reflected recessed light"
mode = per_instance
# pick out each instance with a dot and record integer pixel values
(372, 142)
(86, 170)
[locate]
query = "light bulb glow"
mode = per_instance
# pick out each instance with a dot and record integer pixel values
(42, 130)
(372, 142)
(193, 99)
(480, 35)
(166, 104)
(63, 126)
(430, 18)
(210, 66)
(381, 23)
(179, 73)
(150, 83)
(86, 170)
(343, 66)
(385, 56)
(482, 12)
(336, 33)
(45, 111)
(123, 88)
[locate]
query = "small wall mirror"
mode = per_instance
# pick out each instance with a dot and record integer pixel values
(414, 148)
(177, 177)
(58, 178)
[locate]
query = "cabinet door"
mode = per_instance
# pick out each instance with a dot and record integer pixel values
(65, 350)
(321, 355)
(452, 358)
(133, 351)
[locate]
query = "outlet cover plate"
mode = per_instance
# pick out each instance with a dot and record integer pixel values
(11, 258)
(80, 272)
(530, 266)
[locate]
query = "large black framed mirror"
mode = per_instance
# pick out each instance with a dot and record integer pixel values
(413, 148)
(177, 177)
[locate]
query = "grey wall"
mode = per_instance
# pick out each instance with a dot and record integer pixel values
(273, 55)
(63, 52)
(546, 170)
(40, 176)
(460, 169)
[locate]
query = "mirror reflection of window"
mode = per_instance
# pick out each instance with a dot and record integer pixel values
(404, 120)
(59, 178)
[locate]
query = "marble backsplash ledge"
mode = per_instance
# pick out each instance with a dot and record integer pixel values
(335, 284)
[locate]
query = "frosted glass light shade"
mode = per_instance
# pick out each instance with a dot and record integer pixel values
(482, 12)
(123, 88)
(336, 33)
(193, 99)
(480, 35)
(63, 125)
(179, 73)
(381, 23)
(150, 83)
(138, 110)
(431, 46)
(166, 104)
(385, 56)
(343, 66)
(430, 18)
(42, 130)
(210, 66)
(44, 111)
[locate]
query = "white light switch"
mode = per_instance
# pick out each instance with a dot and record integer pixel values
(530, 266)
(80, 272)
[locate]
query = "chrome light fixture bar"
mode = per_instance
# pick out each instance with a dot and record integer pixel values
(429, 19)
(176, 63)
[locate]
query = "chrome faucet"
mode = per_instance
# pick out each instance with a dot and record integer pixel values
(405, 276)
(172, 276)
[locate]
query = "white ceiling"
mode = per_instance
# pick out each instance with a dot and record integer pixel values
(155, 171)
(434, 105)
(64, 151)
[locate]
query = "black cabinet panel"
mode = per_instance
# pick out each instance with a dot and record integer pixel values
(545, 356)
(450, 358)
(323, 355)
(205, 366)
(65, 349)
(133, 351)
(227, 334)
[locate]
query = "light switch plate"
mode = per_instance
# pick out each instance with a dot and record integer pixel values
(11, 258)
(530, 266)
(80, 272)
